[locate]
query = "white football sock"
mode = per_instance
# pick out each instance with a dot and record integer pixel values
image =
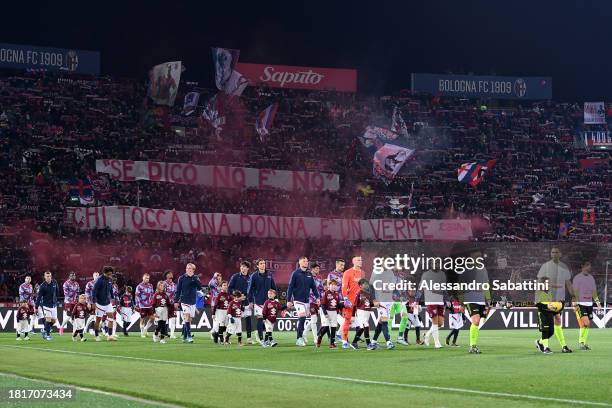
(435, 334)
(313, 327)
(172, 324)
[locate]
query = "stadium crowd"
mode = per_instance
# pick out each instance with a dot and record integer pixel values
(52, 128)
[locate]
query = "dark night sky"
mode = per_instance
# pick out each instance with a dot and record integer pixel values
(384, 40)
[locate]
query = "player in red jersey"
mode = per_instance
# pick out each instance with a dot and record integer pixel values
(431, 282)
(271, 310)
(455, 321)
(126, 309)
(71, 294)
(163, 307)
(79, 314)
(23, 320)
(315, 271)
(26, 293)
(414, 309)
(171, 292)
(364, 302)
(235, 311)
(221, 303)
(92, 307)
(144, 298)
(331, 304)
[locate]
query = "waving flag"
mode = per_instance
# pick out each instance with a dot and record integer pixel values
(564, 229)
(82, 190)
(374, 136)
(265, 119)
(472, 173)
(191, 103)
(101, 186)
(364, 189)
(397, 123)
(227, 79)
(388, 160)
(212, 115)
(164, 81)
(236, 84)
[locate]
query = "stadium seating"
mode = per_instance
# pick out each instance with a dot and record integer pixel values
(53, 128)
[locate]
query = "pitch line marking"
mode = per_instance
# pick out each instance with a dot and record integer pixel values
(95, 391)
(325, 377)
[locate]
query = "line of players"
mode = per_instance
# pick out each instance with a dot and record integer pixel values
(229, 310)
(101, 304)
(329, 305)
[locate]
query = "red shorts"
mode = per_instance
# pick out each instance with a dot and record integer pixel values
(435, 310)
(146, 312)
(68, 308)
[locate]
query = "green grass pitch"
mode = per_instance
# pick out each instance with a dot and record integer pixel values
(509, 373)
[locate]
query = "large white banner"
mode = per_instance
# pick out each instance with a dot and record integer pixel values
(594, 113)
(135, 219)
(219, 176)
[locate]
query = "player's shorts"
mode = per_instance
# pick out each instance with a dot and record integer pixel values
(221, 317)
(383, 309)
(162, 313)
(414, 320)
(126, 314)
(435, 310)
(474, 309)
(103, 310)
(362, 318)
(68, 308)
(314, 309)
(188, 309)
(258, 310)
(455, 320)
(49, 312)
(583, 311)
(78, 324)
(23, 326)
(269, 325)
(301, 308)
(236, 327)
(329, 320)
(546, 320)
(145, 312)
